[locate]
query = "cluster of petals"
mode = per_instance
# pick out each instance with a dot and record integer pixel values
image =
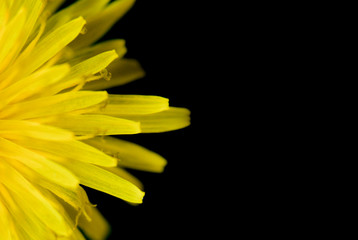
(56, 118)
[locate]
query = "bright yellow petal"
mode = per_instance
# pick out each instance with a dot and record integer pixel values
(25, 129)
(30, 198)
(83, 71)
(130, 155)
(51, 45)
(33, 8)
(93, 65)
(59, 207)
(169, 120)
(27, 223)
(29, 11)
(120, 105)
(46, 168)
(102, 180)
(71, 150)
(70, 196)
(53, 105)
(84, 8)
(126, 175)
(99, 24)
(75, 57)
(98, 228)
(33, 84)
(96, 125)
(122, 71)
(5, 232)
(76, 235)
(10, 37)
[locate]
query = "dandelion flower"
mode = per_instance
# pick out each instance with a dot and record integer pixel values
(56, 119)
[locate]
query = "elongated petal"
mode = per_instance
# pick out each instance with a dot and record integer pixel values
(120, 172)
(68, 195)
(5, 232)
(130, 155)
(58, 205)
(76, 235)
(52, 105)
(97, 228)
(97, 125)
(52, 44)
(84, 8)
(93, 65)
(73, 150)
(102, 180)
(82, 71)
(33, 200)
(134, 105)
(33, 10)
(75, 57)
(27, 14)
(99, 24)
(33, 84)
(26, 129)
(9, 38)
(169, 120)
(52, 6)
(122, 71)
(30, 228)
(46, 168)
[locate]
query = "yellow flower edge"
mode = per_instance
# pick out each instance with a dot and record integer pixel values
(56, 119)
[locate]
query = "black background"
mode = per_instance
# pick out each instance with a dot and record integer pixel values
(162, 35)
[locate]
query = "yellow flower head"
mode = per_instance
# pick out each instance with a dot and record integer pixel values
(55, 118)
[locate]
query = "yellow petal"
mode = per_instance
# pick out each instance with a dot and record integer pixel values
(75, 197)
(13, 72)
(84, 8)
(31, 199)
(102, 180)
(93, 65)
(72, 150)
(70, 196)
(27, 224)
(26, 129)
(120, 172)
(130, 155)
(33, 84)
(169, 120)
(10, 37)
(52, 105)
(58, 205)
(52, 6)
(4, 16)
(76, 235)
(99, 24)
(119, 105)
(46, 168)
(75, 57)
(96, 125)
(53, 43)
(122, 71)
(5, 232)
(96, 229)
(80, 71)
(31, 10)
